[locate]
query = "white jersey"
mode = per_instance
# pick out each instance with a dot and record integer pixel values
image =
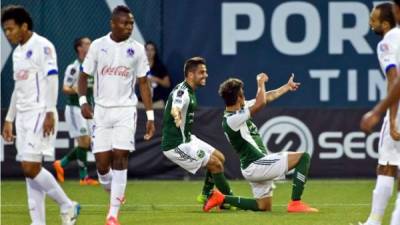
(32, 63)
(388, 51)
(115, 67)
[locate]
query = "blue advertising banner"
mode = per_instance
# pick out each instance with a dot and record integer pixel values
(328, 44)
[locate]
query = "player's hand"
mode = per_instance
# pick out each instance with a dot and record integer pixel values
(293, 86)
(48, 124)
(178, 121)
(87, 111)
(150, 129)
(369, 121)
(8, 131)
(262, 78)
(394, 132)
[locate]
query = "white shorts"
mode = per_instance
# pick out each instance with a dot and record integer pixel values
(191, 155)
(77, 125)
(262, 172)
(114, 128)
(30, 143)
(389, 150)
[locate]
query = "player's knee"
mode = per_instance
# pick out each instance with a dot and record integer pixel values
(84, 142)
(214, 165)
(30, 171)
(264, 206)
(387, 170)
(120, 163)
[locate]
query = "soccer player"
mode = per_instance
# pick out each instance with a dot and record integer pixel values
(79, 128)
(116, 61)
(383, 23)
(371, 118)
(33, 103)
(258, 167)
(178, 143)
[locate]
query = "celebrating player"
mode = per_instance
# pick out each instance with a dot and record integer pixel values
(178, 143)
(117, 61)
(33, 102)
(258, 167)
(383, 23)
(79, 128)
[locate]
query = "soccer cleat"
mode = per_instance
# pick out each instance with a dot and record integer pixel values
(216, 199)
(112, 221)
(300, 207)
(59, 171)
(88, 181)
(69, 218)
(201, 199)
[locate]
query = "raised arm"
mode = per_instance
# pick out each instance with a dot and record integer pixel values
(260, 100)
(275, 94)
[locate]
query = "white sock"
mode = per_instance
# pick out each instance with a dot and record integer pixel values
(105, 180)
(36, 202)
(49, 184)
(396, 213)
(118, 185)
(380, 198)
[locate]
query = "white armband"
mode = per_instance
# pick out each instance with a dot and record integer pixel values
(82, 100)
(150, 114)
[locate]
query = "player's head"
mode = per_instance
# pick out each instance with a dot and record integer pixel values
(122, 22)
(81, 46)
(151, 50)
(382, 18)
(232, 92)
(16, 22)
(195, 71)
(396, 10)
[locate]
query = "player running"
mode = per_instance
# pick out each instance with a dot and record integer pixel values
(383, 23)
(258, 167)
(79, 128)
(33, 103)
(116, 61)
(178, 143)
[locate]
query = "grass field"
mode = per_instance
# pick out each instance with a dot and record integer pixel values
(341, 202)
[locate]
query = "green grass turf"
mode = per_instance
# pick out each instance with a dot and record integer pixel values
(341, 202)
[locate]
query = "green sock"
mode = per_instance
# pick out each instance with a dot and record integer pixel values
(221, 183)
(242, 203)
(208, 184)
(71, 156)
(82, 162)
(300, 176)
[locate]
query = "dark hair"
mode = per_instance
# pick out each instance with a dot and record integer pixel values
(78, 42)
(192, 63)
(229, 90)
(397, 2)
(156, 57)
(119, 10)
(386, 13)
(18, 14)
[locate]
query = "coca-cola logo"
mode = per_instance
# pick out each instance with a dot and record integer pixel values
(122, 71)
(22, 75)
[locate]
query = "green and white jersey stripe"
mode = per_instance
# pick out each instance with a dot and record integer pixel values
(243, 135)
(184, 98)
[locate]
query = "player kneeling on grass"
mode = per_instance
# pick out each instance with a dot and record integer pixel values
(258, 167)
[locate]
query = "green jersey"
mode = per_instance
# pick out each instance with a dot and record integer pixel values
(184, 98)
(243, 135)
(71, 78)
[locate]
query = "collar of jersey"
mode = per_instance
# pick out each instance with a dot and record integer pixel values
(116, 43)
(28, 43)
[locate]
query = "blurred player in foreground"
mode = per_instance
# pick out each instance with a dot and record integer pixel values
(33, 103)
